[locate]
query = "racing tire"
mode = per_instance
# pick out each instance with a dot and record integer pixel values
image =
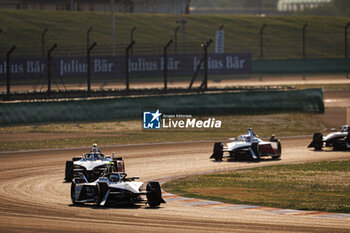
(279, 152)
(154, 194)
(69, 173)
(76, 158)
(72, 192)
(101, 190)
(347, 141)
(256, 150)
(317, 141)
(218, 151)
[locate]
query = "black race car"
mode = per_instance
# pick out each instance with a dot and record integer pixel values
(338, 140)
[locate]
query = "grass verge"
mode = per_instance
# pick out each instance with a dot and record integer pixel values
(282, 36)
(322, 186)
(59, 135)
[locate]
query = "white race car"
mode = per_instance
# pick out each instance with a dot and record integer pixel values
(248, 145)
(338, 140)
(114, 187)
(91, 165)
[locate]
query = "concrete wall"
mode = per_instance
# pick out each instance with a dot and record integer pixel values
(136, 6)
(301, 66)
(308, 100)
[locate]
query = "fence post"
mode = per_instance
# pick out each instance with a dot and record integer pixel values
(8, 70)
(132, 38)
(127, 64)
(49, 70)
(205, 81)
(175, 38)
(262, 41)
(204, 58)
(260, 8)
(165, 65)
(112, 5)
(183, 23)
(89, 67)
(304, 32)
(346, 40)
(43, 41)
(88, 38)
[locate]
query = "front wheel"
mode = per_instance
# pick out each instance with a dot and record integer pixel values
(317, 141)
(217, 152)
(154, 194)
(72, 192)
(279, 150)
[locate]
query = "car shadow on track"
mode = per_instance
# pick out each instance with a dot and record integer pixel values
(115, 206)
(330, 150)
(241, 160)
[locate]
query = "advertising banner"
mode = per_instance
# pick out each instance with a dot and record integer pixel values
(219, 41)
(139, 65)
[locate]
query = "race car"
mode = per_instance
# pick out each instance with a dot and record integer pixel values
(91, 165)
(248, 146)
(113, 187)
(338, 140)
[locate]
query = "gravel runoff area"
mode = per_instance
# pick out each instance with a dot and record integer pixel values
(34, 197)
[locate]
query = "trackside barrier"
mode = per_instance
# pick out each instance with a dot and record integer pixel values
(308, 100)
(300, 66)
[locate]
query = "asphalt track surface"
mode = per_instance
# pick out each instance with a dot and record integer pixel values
(34, 197)
(175, 82)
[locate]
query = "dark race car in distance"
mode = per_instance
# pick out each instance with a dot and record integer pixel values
(338, 140)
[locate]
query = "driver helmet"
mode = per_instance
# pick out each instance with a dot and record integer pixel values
(94, 148)
(114, 177)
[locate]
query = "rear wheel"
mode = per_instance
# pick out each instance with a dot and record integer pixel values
(69, 174)
(279, 149)
(154, 194)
